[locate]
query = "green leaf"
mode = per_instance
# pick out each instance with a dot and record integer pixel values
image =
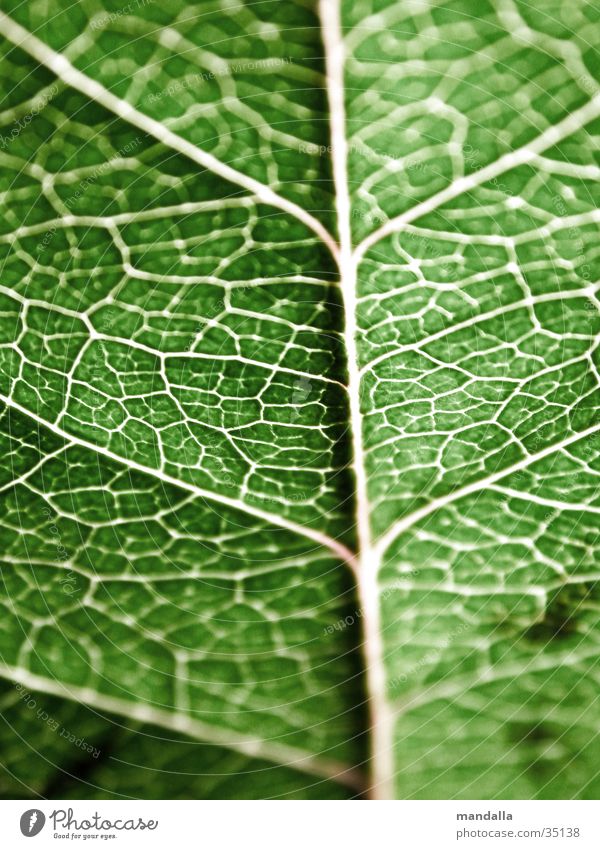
(299, 375)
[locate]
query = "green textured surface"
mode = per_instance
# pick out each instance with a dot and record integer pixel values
(177, 493)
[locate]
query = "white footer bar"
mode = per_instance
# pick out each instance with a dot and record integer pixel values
(301, 825)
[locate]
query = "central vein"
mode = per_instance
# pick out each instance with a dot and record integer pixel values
(381, 718)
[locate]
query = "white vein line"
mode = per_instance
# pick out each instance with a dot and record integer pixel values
(107, 221)
(475, 320)
(216, 358)
(163, 356)
(411, 519)
(577, 220)
(381, 717)
(460, 685)
(338, 548)
(71, 76)
(570, 124)
(31, 471)
(252, 747)
(545, 502)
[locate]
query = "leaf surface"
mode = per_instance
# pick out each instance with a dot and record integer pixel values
(300, 382)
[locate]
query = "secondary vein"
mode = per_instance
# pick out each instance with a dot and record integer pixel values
(338, 548)
(72, 76)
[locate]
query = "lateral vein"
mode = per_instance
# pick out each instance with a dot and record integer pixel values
(338, 548)
(527, 153)
(73, 77)
(398, 528)
(252, 747)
